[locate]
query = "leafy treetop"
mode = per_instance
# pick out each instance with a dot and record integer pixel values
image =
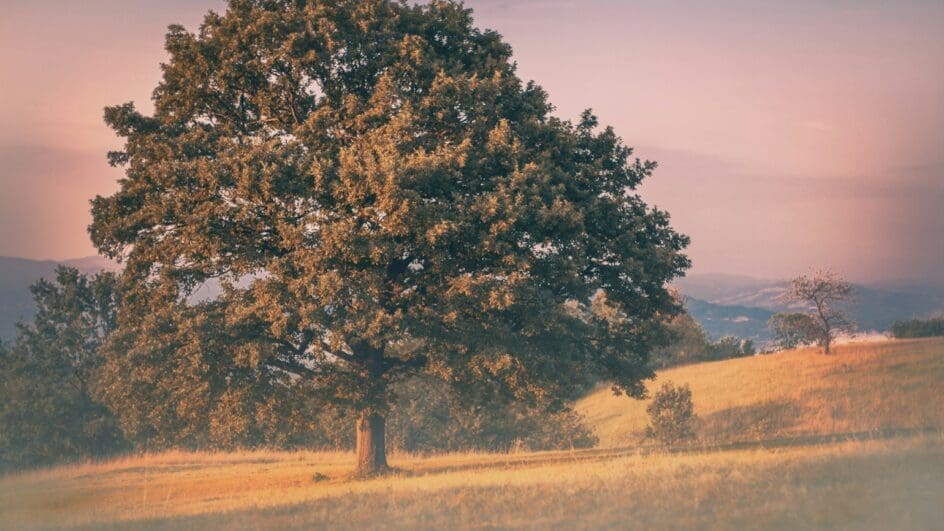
(398, 199)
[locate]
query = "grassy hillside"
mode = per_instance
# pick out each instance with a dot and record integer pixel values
(805, 482)
(862, 387)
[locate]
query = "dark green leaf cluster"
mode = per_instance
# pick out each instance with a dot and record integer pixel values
(429, 416)
(66, 398)
(182, 377)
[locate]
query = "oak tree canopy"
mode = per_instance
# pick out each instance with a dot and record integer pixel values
(380, 194)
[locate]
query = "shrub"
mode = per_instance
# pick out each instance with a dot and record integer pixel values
(671, 414)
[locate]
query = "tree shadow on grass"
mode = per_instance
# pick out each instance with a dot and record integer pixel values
(755, 422)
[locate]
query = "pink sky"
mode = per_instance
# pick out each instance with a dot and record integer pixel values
(788, 136)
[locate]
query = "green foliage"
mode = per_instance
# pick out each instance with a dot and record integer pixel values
(400, 202)
(730, 347)
(429, 416)
(50, 410)
(918, 328)
(190, 350)
(791, 330)
(185, 377)
(671, 414)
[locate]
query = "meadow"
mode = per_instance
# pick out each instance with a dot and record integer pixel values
(789, 440)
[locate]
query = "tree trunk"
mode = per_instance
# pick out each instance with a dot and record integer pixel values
(371, 445)
(826, 346)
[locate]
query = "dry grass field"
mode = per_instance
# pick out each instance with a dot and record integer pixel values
(862, 482)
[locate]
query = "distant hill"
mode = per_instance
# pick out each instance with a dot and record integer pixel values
(739, 305)
(16, 276)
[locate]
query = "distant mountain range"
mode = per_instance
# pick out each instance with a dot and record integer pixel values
(723, 304)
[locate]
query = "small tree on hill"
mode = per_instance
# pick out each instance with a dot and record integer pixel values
(671, 414)
(404, 204)
(823, 292)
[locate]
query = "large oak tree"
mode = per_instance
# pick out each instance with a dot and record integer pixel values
(380, 194)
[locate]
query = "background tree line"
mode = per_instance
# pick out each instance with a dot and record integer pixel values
(687, 342)
(914, 328)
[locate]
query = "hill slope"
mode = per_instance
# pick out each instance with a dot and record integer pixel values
(862, 387)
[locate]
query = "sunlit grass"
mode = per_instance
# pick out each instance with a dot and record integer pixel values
(869, 483)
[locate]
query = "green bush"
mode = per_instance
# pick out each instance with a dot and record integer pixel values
(792, 330)
(671, 414)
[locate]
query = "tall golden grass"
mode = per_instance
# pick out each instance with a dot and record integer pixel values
(869, 483)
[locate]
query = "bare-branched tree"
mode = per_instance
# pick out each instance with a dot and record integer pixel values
(824, 293)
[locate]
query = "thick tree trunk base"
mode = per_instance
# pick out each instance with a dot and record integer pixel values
(371, 446)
